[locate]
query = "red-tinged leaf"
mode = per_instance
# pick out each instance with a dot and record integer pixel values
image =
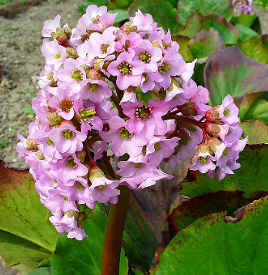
(200, 206)
(158, 255)
(26, 235)
(264, 39)
(205, 43)
(228, 71)
(218, 244)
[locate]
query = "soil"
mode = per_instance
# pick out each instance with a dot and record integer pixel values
(21, 60)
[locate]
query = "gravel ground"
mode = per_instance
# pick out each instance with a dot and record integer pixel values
(21, 60)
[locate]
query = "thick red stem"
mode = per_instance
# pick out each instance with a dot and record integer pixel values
(114, 233)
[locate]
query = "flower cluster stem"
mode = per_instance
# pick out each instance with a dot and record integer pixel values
(114, 233)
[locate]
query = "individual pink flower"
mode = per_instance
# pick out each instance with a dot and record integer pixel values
(146, 119)
(122, 139)
(128, 72)
(67, 139)
(51, 26)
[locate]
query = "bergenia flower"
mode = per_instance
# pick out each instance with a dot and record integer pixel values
(124, 94)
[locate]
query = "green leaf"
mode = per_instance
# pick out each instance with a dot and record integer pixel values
(26, 235)
(255, 50)
(73, 257)
(216, 245)
(41, 271)
(121, 15)
(162, 11)
(28, 111)
(258, 110)
(187, 7)
(139, 239)
(200, 206)
(250, 177)
(193, 25)
(246, 103)
(205, 43)
(245, 19)
(184, 49)
(122, 4)
(32, 94)
(246, 34)
(226, 30)
(256, 130)
(228, 71)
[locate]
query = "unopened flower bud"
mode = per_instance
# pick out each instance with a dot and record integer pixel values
(31, 144)
(188, 109)
(94, 75)
(68, 31)
(213, 129)
(213, 114)
(81, 155)
(39, 155)
(72, 52)
(213, 143)
(202, 149)
(54, 118)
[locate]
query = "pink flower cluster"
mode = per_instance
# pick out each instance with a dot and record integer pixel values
(123, 92)
(242, 6)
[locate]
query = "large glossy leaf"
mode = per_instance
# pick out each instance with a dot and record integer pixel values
(139, 240)
(256, 130)
(162, 11)
(73, 257)
(255, 50)
(228, 71)
(220, 245)
(250, 177)
(205, 43)
(200, 206)
(26, 235)
(187, 7)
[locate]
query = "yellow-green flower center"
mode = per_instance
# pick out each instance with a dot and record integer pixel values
(125, 68)
(145, 57)
(67, 134)
(165, 67)
(144, 112)
(77, 75)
